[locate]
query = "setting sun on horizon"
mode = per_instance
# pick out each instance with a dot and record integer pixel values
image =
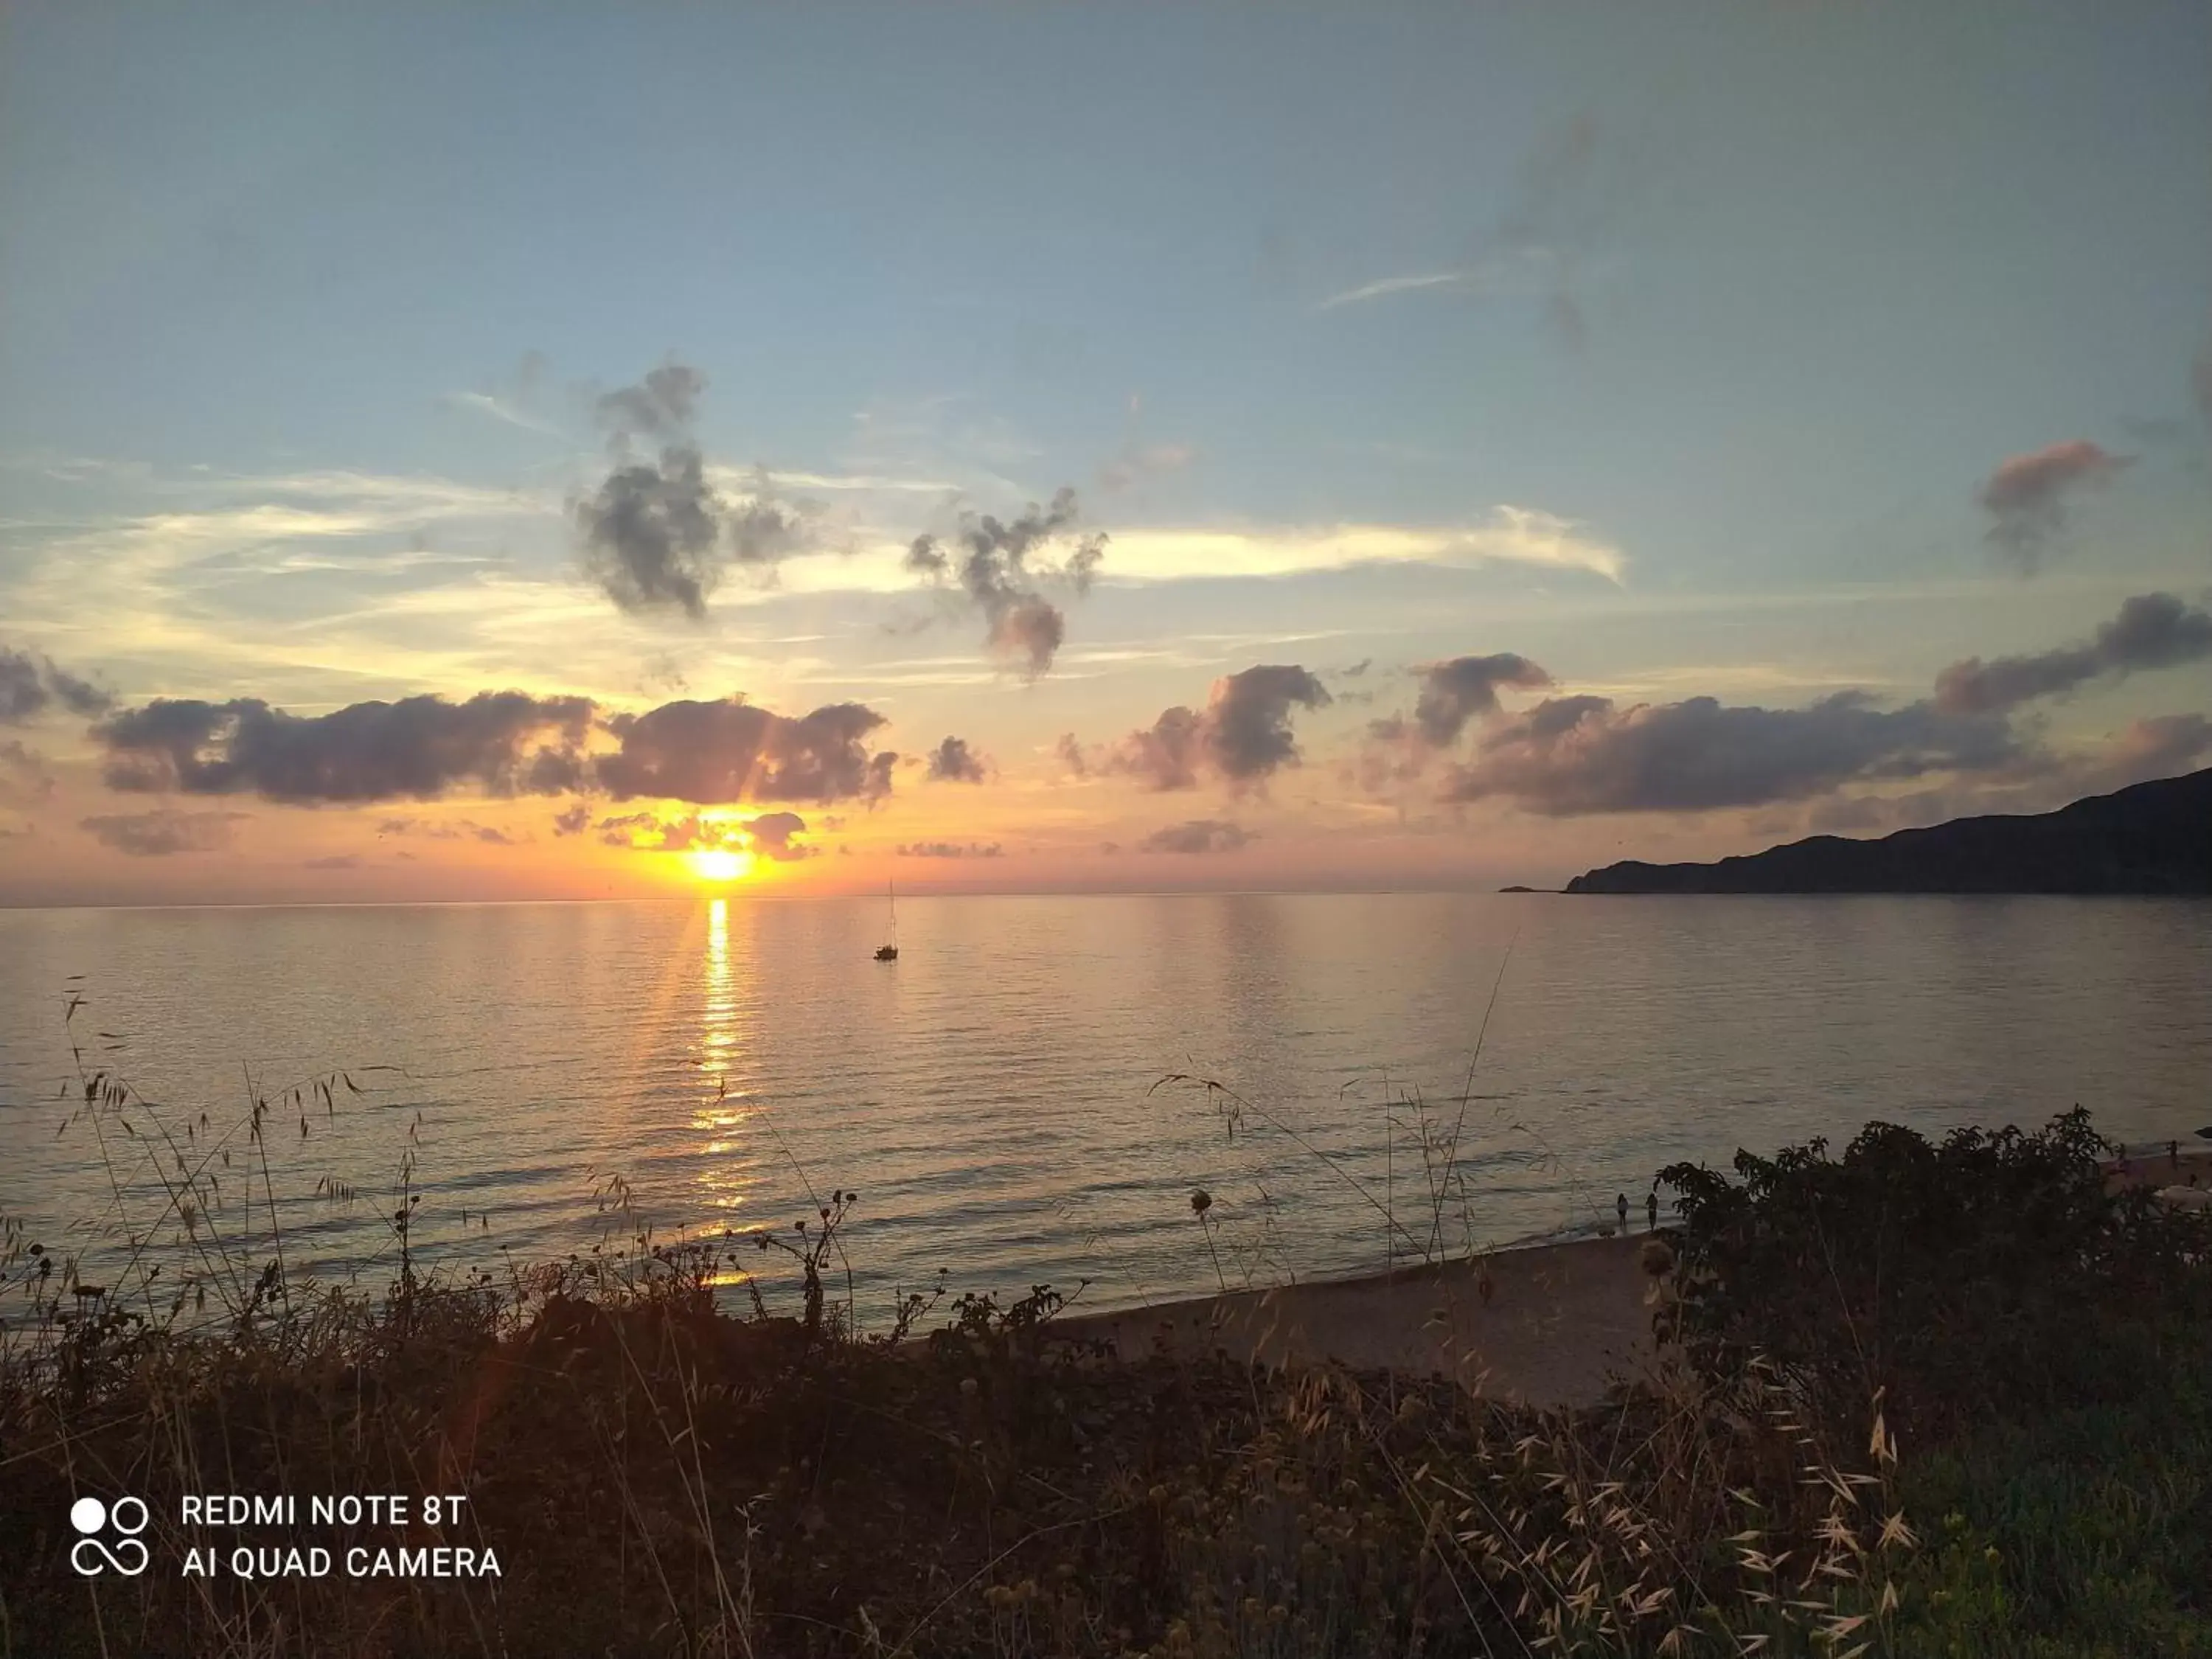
(719, 864)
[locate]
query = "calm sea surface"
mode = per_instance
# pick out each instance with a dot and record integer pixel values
(992, 1095)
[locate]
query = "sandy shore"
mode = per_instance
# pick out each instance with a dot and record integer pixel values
(1558, 1321)
(2146, 1168)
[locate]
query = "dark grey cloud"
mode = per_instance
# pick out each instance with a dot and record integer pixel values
(1243, 736)
(163, 831)
(2150, 631)
(336, 861)
(31, 684)
(715, 753)
(949, 849)
(1466, 688)
(1248, 719)
(954, 761)
(500, 743)
(503, 743)
(652, 536)
(998, 568)
(1197, 836)
(2027, 494)
(657, 538)
(1069, 750)
(574, 821)
(771, 835)
(1569, 758)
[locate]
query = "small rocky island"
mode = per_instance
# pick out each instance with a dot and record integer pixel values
(2151, 838)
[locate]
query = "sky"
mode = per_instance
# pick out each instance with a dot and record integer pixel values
(561, 452)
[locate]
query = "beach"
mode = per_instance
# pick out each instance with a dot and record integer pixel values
(1555, 1325)
(1550, 1324)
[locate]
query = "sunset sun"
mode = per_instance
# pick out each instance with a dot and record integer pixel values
(718, 863)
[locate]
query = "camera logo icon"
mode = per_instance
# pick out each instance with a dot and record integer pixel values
(90, 1517)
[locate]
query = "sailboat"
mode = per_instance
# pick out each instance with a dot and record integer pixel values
(889, 952)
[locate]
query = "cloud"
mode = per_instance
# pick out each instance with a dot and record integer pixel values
(23, 776)
(30, 684)
(1384, 287)
(659, 405)
(336, 861)
(1249, 718)
(2200, 381)
(2150, 631)
(990, 566)
(1167, 754)
(1505, 535)
(1197, 836)
(652, 535)
(1571, 756)
(953, 762)
(2162, 746)
(163, 831)
(504, 743)
(499, 743)
(716, 753)
(762, 531)
(1451, 694)
(503, 409)
(771, 835)
(1243, 736)
(949, 849)
(448, 829)
(1070, 754)
(1466, 688)
(657, 536)
(574, 821)
(2027, 495)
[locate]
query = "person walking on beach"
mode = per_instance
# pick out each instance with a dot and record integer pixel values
(1620, 1208)
(1652, 1211)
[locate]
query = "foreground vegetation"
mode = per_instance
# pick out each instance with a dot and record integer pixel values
(1935, 1400)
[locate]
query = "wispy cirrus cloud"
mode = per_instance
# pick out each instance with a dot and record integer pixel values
(1384, 287)
(1505, 535)
(500, 409)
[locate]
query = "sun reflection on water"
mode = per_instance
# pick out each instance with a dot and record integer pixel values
(727, 1167)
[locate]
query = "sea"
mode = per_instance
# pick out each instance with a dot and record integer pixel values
(1038, 1089)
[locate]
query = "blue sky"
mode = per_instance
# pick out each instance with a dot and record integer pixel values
(1666, 346)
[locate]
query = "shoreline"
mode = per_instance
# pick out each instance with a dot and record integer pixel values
(1561, 1319)
(1547, 1323)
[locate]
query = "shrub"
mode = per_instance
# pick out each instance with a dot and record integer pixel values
(1988, 1274)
